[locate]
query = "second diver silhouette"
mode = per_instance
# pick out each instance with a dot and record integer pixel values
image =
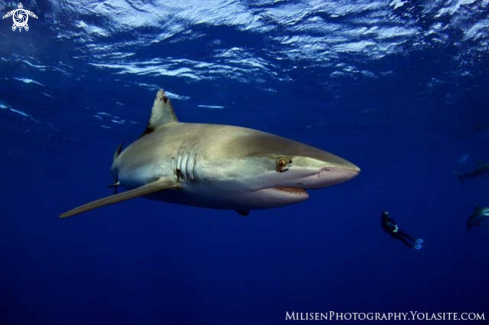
(391, 227)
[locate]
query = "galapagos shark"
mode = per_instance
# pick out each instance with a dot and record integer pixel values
(218, 166)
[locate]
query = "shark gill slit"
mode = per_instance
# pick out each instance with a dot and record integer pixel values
(188, 171)
(193, 167)
(178, 171)
(183, 166)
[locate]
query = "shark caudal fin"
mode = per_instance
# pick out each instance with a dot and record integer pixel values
(156, 186)
(162, 113)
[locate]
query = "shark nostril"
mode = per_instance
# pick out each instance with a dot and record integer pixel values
(323, 169)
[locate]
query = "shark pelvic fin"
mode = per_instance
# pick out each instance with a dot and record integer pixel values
(114, 186)
(244, 213)
(161, 114)
(156, 186)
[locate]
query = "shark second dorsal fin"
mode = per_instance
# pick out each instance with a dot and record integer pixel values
(161, 114)
(118, 150)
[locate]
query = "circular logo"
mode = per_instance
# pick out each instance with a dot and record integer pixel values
(20, 18)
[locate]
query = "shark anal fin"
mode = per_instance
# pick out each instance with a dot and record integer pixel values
(156, 186)
(244, 213)
(162, 113)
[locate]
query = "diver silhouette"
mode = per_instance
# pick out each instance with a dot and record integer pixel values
(391, 227)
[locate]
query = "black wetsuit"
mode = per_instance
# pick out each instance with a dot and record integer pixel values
(392, 229)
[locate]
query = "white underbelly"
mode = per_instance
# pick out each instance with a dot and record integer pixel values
(227, 198)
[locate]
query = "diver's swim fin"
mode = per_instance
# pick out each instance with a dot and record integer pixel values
(419, 243)
(156, 186)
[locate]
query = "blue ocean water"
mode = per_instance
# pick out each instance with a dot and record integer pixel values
(398, 87)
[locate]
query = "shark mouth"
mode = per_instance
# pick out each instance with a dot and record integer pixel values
(278, 196)
(287, 193)
(291, 190)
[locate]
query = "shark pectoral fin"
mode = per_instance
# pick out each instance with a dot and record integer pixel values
(156, 186)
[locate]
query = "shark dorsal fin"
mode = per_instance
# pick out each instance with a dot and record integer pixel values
(161, 114)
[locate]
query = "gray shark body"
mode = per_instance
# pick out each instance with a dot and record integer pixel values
(218, 166)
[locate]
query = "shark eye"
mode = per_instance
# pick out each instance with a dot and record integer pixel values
(281, 163)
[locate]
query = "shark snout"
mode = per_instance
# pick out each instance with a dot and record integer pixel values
(332, 175)
(348, 170)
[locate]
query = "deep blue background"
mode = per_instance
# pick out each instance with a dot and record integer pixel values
(147, 262)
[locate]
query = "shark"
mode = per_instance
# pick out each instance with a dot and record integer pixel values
(479, 170)
(479, 218)
(217, 166)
